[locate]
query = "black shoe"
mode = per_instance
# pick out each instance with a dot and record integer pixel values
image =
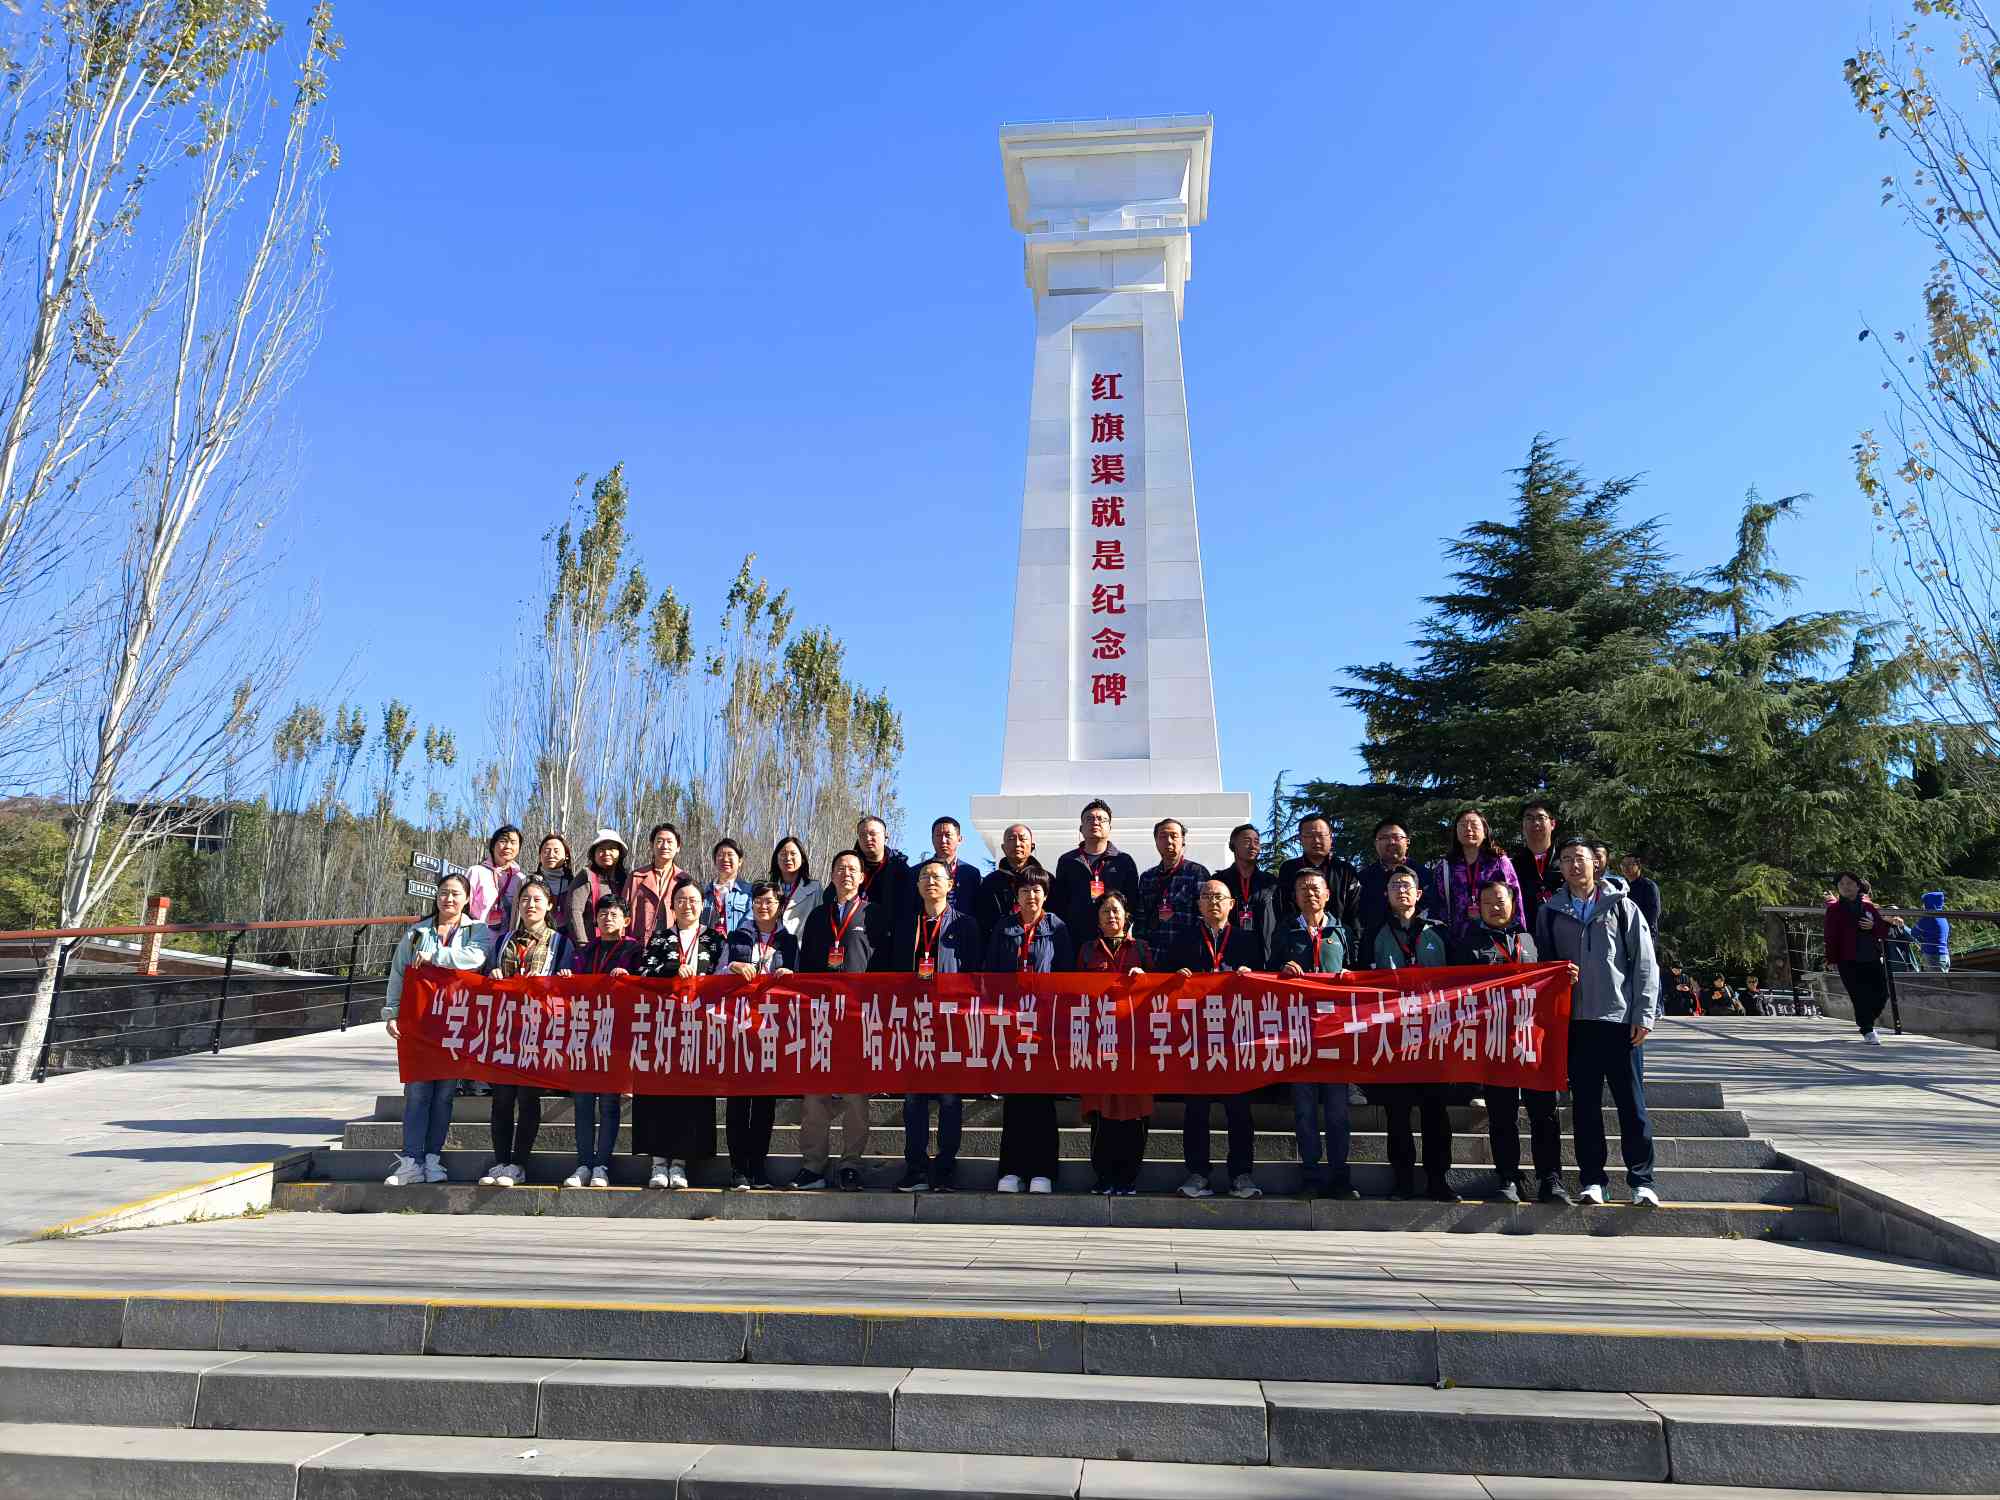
(1100, 1189)
(850, 1180)
(740, 1183)
(1402, 1192)
(760, 1183)
(944, 1182)
(1442, 1192)
(1340, 1190)
(1508, 1192)
(1553, 1191)
(913, 1182)
(808, 1178)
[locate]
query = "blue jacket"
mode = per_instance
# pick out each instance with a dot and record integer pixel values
(744, 940)
(735, 908)
(1052, 952)
(960, 950)
(1933, 933)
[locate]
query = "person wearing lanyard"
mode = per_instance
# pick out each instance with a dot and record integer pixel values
(596, 1115)
(761, 946)
(604, 874)
(1534, 859)
(937, 938)
(1312, 943)
(946, 837)
(1392, 852)
(1407, 938)
(839, 939)
(1253, 890)
(725, 901)
(1119, 1123)
(1316, 853)
(677, 1130)
(1093, 869)
(1217, 945)
(496, 881)
(648, 891)
(884, 875)
(996, 891)
(798, 892)
(1494, 941)
(1035, 942)
(1170, 892)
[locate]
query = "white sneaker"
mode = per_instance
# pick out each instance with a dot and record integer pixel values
(1011, 1183)
(1592, 1195)
(1872, 1039)
(579, 1178)
(492, 1175)
(599, 1177)
(406, 1173)
(510, 1175)
(434, 1169)
(1196, 1187)
(1245, 1186)
(1040, 1185)
(1645, 1197)
(677, 1176)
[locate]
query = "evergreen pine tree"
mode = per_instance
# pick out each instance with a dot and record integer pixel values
(1550, 610)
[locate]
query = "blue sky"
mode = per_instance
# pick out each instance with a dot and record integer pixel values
(763, 257)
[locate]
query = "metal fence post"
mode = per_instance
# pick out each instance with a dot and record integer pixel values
(55, 1001)
(347, 997)
(222, 1000)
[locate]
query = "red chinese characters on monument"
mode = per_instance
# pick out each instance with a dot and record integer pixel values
(1107, 554)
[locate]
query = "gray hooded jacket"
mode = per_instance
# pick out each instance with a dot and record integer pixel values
(1618, 977)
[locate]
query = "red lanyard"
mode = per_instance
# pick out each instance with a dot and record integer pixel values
(840, 924)
(1409, 948)
(721, 908)
(1245, 882)
(1314, 934)
(927, 944)
(1028, 942)
(1215, 949)
(763, 946)
(1509, 942)
(1111, 953)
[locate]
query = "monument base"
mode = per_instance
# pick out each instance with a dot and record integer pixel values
(1208, 816)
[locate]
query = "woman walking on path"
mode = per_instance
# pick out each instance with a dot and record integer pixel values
(1854, 928)
(445, 938)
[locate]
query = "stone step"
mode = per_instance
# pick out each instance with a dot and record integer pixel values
(1661, 1093)
(1163, 1143)
(175, 1464)
(1072, 1209)
(1162, 1173)
(1270, 1114)
(1503, 1339)
(1602, 1436)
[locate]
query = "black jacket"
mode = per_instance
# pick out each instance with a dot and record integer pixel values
(964, 894)
(996, 899)
(1535, 888)
(1240, 951)
(1645, 893)
(1052, 952)
(1071, 900)
(743, 946)
(1482, 945)
(1343, 892)
(1262, 905)
(959, 947)
(858, 942)
(662, 958)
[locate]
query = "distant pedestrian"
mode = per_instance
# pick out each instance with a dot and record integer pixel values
(1854, 928)
(1933, 931)
(1644, 890)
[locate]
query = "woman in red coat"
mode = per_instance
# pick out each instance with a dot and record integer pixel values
(1855, 928)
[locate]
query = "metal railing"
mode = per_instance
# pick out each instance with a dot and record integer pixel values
(340, 976)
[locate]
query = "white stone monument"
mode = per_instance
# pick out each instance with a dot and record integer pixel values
(1110, 693)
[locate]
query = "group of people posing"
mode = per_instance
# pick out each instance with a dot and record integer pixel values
(1096, 912)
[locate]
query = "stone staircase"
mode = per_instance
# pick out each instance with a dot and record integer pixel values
(175, 1397)
(1716, 1179)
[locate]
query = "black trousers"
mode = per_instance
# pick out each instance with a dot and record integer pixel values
(1600, 1054)
(1868, 987)
(1503, 1123)
(1195, 1148)
(748, 1124)
(1029, 1142)
(514, 1136)
(1428, 1099)
(1117, 1150)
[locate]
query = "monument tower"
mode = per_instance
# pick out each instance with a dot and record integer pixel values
(1110, 693)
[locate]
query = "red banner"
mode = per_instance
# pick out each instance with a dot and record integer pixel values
(988, 1033)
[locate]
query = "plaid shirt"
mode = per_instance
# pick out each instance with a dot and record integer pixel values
(1180, 890)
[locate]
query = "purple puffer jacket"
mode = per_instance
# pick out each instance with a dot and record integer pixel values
(1458, 888)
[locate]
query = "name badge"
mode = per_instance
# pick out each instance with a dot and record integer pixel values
(1243, 919)
(1166, 911)
(1096, 888)
(925, 968)
(837, 955)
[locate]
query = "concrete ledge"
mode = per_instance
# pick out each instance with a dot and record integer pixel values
(589, 1332)
(1255, 1351)
(158, 1463)
(1465, 1432)
(1903, 1369)
(1052, 1345)
(1851, 1445)
(1744, 1364)
(224, 1196)
(1876, 1221)
(1110, 1479)
(173, 1322)
(445, 1468)
(308, 1326)
(1082, 1416)
(805, 1406)
(808, 1474)
(385, 1393)
(155, 1389)
(64, 1319)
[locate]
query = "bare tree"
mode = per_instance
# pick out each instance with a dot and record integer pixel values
(148, 735)
(1933, 474)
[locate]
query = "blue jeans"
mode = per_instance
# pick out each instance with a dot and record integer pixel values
(1314, 1104)
(1600, 1053)
(427, 1116)
(596, 1129)
(917, 1132)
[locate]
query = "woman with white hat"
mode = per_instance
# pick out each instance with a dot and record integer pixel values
(603, 875)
